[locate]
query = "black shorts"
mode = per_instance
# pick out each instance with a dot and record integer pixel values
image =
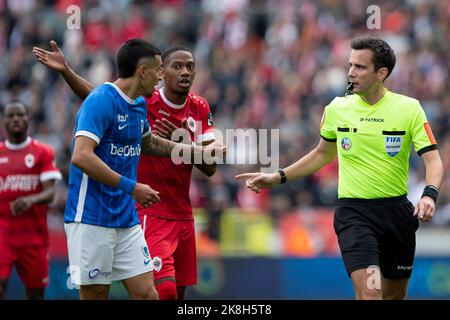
(379, 232)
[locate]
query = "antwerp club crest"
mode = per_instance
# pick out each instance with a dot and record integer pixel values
(157, 264)
(191, 124)
(29, 160)
(392, 145)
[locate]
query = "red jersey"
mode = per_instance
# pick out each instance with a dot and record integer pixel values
(170, 180)
(23, 167)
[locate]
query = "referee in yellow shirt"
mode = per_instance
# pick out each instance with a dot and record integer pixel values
(371, 132)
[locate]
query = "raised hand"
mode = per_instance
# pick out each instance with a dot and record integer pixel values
(145, 195)
(53, 59)
(258, 180)
(164, 128)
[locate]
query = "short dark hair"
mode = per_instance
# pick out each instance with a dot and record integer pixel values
(383, 55)
(16, 101)
(130, 53)
(166, 53)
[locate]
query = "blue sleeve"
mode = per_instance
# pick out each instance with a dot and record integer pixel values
(146, 130)
(96, 114)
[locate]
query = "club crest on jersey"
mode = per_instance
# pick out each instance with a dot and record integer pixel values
(157, 264)
(191, 124)
(346, 143)
(29, 160)
(392, 145)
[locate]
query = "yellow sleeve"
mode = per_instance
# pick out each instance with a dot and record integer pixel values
(327, 131)
(421, 134)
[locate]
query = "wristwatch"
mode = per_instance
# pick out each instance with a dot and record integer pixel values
(283, 175)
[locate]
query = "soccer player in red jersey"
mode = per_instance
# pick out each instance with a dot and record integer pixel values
(27, 178)
(169, 224)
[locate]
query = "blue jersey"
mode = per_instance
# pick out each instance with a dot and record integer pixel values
(117, 124)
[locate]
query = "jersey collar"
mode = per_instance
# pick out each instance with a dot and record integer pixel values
(170, 104)
(121, 93)
(383, 98)
(19, 146)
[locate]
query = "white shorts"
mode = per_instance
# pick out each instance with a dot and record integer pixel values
(100, 255)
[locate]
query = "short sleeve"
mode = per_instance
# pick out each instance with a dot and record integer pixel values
(147, 129)
(49, 171)
(326, 126)
(421, 134)
(96, 114)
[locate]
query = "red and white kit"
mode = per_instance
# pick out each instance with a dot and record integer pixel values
(24, 237)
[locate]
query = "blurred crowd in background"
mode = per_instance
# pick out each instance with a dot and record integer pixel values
(270, 64)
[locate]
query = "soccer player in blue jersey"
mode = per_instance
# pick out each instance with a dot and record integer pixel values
(105, 240)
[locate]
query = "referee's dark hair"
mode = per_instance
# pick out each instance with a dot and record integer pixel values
(130, 53)
(383, 55)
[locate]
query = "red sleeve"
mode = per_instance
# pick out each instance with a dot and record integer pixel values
(207, 133)
(49, 171)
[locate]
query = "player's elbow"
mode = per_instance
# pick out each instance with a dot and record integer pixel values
(79, 160)
(50, 196)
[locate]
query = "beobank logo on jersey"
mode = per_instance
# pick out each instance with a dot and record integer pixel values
(19, 182)
(126, 150)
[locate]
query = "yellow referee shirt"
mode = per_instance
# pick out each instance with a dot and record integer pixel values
(374, 141)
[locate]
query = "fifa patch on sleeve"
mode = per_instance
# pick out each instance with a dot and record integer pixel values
(427, 127)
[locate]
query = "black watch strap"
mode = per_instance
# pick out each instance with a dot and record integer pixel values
(283, 176)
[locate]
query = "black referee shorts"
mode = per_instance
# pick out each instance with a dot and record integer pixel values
(378, 232)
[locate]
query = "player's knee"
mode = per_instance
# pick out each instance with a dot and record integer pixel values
(397, 296)
(394, 295)
(153, 294)
(145, 294)
(366, 293)
(167, 290)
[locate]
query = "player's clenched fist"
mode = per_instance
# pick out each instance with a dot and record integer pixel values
(145, 195)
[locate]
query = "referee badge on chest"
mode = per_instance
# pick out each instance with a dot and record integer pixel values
(392, 145)
(346, 143)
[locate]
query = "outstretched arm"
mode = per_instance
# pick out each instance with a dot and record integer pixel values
(55, 60)
(320, 156)
(164, 128)
(160, 147)
(152, 145)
